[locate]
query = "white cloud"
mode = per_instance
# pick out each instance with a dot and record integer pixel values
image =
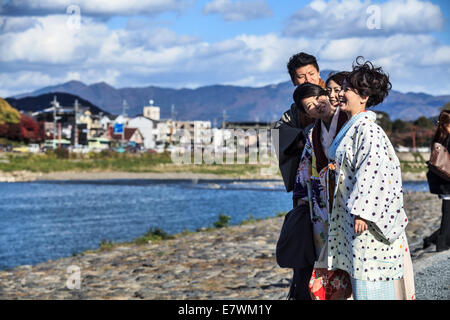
(51, 40)
(93, 7)
(356, 18)
(240, 10)
(413, 61)
(41, 51)
(26, 81)
(440, 56)
(17, 24)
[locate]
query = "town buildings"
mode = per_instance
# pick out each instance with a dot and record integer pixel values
(84, 128)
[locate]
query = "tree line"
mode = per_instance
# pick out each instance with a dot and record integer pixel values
(416, 133)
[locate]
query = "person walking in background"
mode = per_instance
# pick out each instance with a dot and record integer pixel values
(439, 184)
(292, 128)
(366, 235)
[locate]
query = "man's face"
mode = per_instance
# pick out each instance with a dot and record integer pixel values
(304, 74)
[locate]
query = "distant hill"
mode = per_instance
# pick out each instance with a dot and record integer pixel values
(42, 101)
(240, 103)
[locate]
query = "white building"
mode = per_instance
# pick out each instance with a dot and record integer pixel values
(151, 111)
(121, 119)
(147, 127)
(107, 120)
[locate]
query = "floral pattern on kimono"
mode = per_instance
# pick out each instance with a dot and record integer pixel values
(330, 285)
(368, 185)
(307, 171)
(324, 284)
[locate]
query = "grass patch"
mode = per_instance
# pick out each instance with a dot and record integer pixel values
(281, 214)
(153, 234)
(106, 245)
(413, 166)
(250, 219)
(222, 222)
(59, 160)
(157, 234)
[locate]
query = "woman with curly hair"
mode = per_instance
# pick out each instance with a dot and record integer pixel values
(366, 236)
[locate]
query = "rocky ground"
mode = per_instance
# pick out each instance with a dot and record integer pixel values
(237, 262)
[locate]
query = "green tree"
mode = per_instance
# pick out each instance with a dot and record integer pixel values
(399, 126)
(8, 114)
(384, 121)
(424, 123)
(446, 106)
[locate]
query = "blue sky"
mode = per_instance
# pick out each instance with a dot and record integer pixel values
(192, 43)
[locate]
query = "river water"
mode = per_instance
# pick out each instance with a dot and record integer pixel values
(46, 220)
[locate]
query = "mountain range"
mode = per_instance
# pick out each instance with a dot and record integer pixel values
(42, 101)
(240, 103)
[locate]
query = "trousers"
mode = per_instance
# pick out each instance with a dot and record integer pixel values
(299, 286)
(441, 237)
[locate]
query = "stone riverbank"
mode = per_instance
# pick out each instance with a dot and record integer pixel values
(236, 262)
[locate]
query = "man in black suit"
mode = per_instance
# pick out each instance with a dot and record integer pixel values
(292, 128)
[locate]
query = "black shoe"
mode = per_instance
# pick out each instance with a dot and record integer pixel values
(441, 244)
(426, 242)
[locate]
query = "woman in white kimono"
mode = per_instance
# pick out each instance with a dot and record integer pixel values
(366, 235)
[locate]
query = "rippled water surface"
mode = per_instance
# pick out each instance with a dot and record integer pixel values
(42, 221)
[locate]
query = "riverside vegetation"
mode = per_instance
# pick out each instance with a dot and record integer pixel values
(157, 234)
(60, 160)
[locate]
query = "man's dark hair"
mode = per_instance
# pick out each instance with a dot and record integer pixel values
(307, 90)
(369, 81)
(300, 60)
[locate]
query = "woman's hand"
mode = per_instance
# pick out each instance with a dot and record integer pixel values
(360, 225)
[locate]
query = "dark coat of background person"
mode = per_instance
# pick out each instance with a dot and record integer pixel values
(441, 186)
(437, 184)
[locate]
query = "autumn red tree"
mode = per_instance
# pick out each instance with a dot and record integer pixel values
(29, 129)
(26, 130)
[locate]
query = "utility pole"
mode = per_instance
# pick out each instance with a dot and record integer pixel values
(55, 105)
(124, 107)
(59, 135)
(172, 120)
(75, 107)
(224, 118)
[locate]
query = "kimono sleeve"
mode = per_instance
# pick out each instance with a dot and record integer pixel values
(300, 190)
(375, 178)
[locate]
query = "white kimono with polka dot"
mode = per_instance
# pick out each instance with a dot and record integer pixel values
(368, 185)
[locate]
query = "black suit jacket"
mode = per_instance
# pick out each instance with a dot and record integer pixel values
(290, 132)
